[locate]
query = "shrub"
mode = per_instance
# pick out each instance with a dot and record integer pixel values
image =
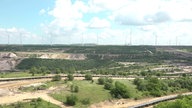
(56, 78)
(76, 89)
(120, 91)
(71, 100)
(88, 77)
(70, 77)
(108, 80)
(101, 80)
(72, 88)
(85, 101)
(39, 99)
(108, 86)
(42, 87)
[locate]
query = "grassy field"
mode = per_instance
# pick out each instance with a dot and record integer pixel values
(16, 74)
(87, 90)
(92, 91)
(36, 103)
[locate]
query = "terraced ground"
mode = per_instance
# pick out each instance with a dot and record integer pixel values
(122, 61)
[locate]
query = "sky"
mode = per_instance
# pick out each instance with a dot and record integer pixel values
(104, 22)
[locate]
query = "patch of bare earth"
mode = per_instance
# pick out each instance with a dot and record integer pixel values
(9, 93)
(28, 96)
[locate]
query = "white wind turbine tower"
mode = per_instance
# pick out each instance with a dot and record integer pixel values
(176, 40)
(97, 38)
(51, 39)
(155, 35)
(21, 40)
(8, 37)
(82, 39)
(125, 38)
(130, 37)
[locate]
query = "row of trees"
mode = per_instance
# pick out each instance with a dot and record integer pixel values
(117, 90)
(70, 77)
(151, 86)
(157, 87)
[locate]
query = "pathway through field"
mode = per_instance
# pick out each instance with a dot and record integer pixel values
(28, 96)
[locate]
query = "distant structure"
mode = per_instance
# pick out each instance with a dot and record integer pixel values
(130, 43)
(155, 35)
(125, 38)
(176, 41)
(82, 39)
(21, 40)
(51, 40)
(130, 38)
(8, 37)
(97, 38)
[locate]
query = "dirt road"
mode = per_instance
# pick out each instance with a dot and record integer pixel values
(27, 96)
(16, 84)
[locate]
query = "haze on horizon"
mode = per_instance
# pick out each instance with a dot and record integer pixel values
(105, 22)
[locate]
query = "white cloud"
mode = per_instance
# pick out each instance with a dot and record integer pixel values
(64, 9)
(97, 23)
(103, 5)
(42, 11)
(67, 18)
(167, 18)
(140, 12)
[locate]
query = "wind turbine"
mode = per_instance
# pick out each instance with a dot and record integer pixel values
(97, 38)
(21, 42)
(130, 37)
(125, 38)
(82, 39)
(176, 40)
(8, 37)
(154, 34)
(51, 40)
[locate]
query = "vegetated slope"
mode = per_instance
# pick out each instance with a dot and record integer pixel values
(96, 56)
(110, 49)
(66, 65)
(34, 103)
(127, 53)
(182, 102)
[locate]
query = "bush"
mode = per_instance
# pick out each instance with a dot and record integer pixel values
(71, 100)
(42, 87)
(86, 101)
(88, 77)
(108, 80)
(56, 78)
(108, 86)
(120, 91)
(70, 77)
(101, 80)
(39, 99)
(74, 88)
